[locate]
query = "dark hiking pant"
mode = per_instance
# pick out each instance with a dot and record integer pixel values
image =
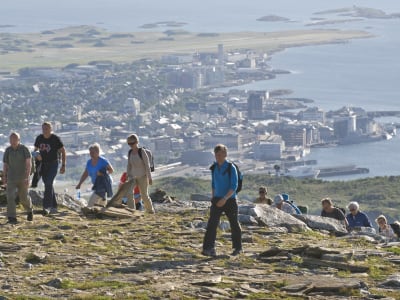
(231, 211)
(49, 172)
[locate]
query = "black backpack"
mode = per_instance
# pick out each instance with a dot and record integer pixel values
(396, 228)
(229, 171)
(149, 155)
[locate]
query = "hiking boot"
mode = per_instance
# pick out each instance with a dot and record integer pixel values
(209, 252)
(53, 211)
(29, 217)
(45, 212)
(236, 252)
(12, 220)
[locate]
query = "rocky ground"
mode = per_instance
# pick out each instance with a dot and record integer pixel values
(71, 256)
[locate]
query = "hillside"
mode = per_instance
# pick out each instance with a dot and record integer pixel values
(68, 256)
(376, 195)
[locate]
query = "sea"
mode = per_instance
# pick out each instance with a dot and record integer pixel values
(362, 72)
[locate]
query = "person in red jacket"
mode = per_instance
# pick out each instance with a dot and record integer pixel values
(136, 191)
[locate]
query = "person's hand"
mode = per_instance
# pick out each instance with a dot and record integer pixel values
(78, 186)
(62, 170)
(150, 181)
(38, 157)
(221, 202)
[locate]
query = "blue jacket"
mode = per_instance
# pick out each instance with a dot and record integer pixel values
(103, 185)
(222, 182)
(359, 220)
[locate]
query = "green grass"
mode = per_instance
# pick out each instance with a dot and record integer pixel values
(394, 250)
(88, 285)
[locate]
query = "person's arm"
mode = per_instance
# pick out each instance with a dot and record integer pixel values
(5, 172)
(233, 183)
(233, 186)
(28, 167)
(110, 169)
(63, 160)
(147, 166)
(85, 175)
(367, 222)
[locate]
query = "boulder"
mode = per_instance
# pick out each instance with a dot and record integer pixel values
(323, 223)
(393, 282)
(269, 216)
(247, 220)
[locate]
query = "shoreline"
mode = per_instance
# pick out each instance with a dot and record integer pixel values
(82, 44)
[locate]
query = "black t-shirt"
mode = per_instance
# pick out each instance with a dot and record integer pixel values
(48, 148)
(335, 214)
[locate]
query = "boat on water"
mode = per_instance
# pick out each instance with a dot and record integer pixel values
(302, 172)
(336, 171)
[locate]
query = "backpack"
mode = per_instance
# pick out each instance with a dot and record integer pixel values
(229, 171)
(342, 209)
(149, 155)
(396, 228)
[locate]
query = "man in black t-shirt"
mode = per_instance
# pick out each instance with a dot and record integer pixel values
(329, 211)
(50, 147)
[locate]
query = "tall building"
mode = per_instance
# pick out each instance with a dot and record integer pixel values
(255, 105)
(221, 55)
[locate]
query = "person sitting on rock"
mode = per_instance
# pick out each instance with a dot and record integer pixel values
(287, 200)
(356, 218)
(280, 203)
(263, 199)
(330, 211)
(385, 229)
(97, 167)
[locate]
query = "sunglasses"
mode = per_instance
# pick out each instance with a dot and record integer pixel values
(133, 143)
(261, 192)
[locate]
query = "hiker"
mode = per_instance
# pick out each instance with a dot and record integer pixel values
(136, 192)
(50, 148)
(385, 229)
(17, 163)
(98, 169)
(262, 198)
(330, 211)
(224, 186)
(287, 199)
(139, 174)
(356, 218)
(280, 203)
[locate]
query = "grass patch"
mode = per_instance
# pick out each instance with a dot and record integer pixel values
(394, 250)
(88, 285)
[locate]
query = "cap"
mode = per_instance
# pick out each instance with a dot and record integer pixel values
(278, 199)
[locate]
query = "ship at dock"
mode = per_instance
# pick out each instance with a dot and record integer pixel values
(341, 171)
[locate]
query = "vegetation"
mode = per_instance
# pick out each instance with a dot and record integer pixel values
(378, 195)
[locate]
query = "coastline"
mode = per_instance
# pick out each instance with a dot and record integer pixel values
(82, 44)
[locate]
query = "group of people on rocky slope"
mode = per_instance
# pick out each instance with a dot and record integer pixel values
(44, 163)
(355, 220)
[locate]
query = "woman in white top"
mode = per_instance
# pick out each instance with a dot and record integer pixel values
(139, 173)
(385, 229)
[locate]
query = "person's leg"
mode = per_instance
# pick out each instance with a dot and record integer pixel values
(143, 184)
(211, 233)
(231, 211)
(129, 194)
(11, 205)
(94, 199)
(49, 172)
(24, 198)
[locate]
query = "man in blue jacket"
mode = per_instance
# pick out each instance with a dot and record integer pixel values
(356, 218)
(224, 184)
